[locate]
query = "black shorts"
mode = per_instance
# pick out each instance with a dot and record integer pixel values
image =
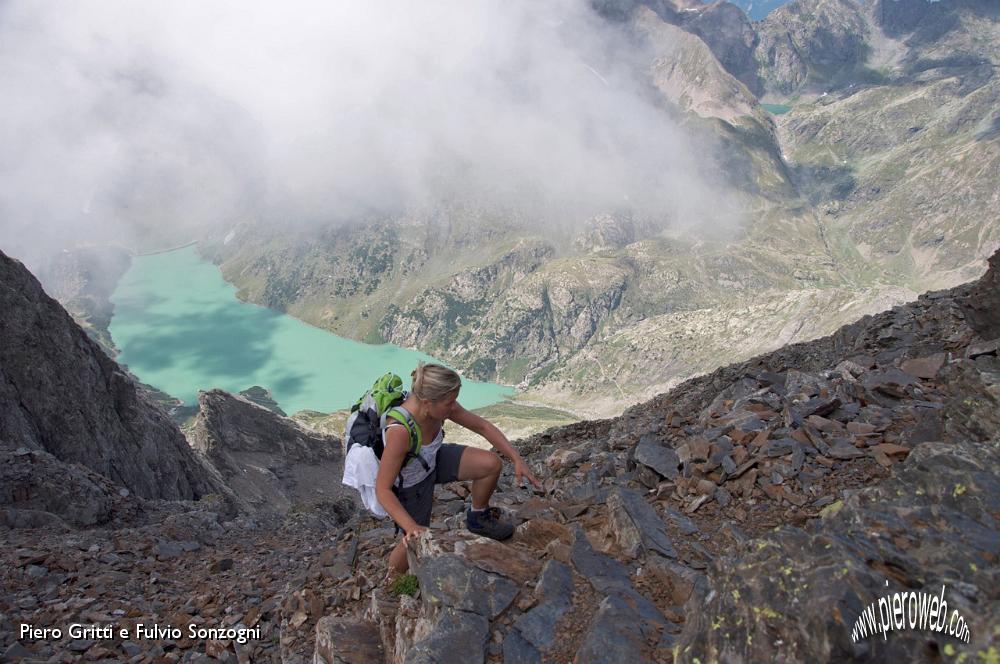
(418, 500)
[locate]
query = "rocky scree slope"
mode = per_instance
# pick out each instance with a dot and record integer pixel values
(748, 515)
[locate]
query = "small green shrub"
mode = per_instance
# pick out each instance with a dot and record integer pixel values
(405, 584)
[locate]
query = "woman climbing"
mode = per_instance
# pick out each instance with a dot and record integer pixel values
(433, 398)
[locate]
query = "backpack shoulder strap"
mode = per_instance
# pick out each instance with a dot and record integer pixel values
(402, 416)
(399, 415)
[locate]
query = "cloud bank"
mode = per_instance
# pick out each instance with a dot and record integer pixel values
(128, 120)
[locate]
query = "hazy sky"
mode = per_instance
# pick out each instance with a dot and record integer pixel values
(122, 114)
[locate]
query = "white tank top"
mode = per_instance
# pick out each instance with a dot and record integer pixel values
(413, 472)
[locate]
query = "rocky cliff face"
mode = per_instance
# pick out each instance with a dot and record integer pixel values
(687, 74)
(726, 30)
(270, 462)
(821, 41)
(59, 393)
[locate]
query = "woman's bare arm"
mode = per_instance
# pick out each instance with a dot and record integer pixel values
(484, 428)
(397, 444)
(494, 437)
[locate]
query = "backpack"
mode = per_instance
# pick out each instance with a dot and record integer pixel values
(373, 412)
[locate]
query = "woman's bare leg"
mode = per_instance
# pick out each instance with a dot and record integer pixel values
(397, 559)
(483, 468)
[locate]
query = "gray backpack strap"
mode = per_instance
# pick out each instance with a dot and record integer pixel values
(385, 423)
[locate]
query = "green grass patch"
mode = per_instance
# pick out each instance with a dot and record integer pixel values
(405, 584)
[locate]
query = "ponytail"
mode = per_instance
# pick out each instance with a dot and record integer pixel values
(432, 382)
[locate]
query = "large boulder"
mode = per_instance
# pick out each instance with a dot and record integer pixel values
(270, 462)
(37, 489)
(982, 307)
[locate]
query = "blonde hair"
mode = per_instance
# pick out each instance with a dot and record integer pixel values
(433, 381)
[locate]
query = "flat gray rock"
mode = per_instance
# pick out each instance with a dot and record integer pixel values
(458, 636)
(452, 582)
(652, 453)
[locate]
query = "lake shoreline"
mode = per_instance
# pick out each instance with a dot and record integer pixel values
(177, 321)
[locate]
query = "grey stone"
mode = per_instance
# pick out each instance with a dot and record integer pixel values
(344, 640)
(752, 424)
(555, 583)
(537, 625)
(681, 521)
(823, 501)
(845, 451)
(722, 445)
(517, 650)
(983, 348)
(777, 448)
(457, 636)
(603, 572)
(16, 652)
(636, 525)
(891, 382)
(652, 453)
(452, 582)
(555, 594)
(819, 406)
(168, 550)
(131, 648)
(617, 634)
(608, 576)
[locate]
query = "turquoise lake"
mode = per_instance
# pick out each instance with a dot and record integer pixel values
(181, 329)
(776, 109)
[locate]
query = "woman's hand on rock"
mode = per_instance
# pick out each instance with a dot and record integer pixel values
(522, 471)
(414, 533)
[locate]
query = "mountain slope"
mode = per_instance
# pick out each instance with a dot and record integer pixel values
(853, 201)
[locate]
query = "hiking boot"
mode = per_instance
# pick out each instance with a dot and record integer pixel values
(488, 524)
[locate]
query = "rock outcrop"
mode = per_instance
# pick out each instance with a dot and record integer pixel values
(931, 526)
(726, 30)
(685, 72)
(39, 491)
(825, 39)
(982, 307)
(61, 394)
(271, 463)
